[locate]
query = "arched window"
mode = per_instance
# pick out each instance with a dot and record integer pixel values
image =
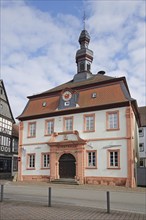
(88, 66)
(82, 67)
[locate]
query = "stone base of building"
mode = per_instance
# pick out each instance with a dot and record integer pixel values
(107, 181)
(38, 178)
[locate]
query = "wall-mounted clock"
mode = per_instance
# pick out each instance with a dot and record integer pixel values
(66, 95)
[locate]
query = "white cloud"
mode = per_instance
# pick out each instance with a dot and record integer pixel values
(38, 49)
(119, 41)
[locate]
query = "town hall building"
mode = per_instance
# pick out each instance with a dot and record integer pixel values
(85, 129)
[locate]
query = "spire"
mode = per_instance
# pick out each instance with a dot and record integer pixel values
(84, 57)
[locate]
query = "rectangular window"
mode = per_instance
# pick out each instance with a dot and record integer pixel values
(68, 124)
(5, 126)
(31, 161)
(141, 132)
(49, 127)
(89, 123)
(112, 120)
(141, 147)
(32, 129)
(91, 159)
(141, 163)
(45, 160)
(113, 158)
(15, 145)
(15, 164)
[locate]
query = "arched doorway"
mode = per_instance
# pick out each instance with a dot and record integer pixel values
(67, 166)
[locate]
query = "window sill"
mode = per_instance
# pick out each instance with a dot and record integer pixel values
(91, 167)
(45, 168)
(31, 136)
(89, 131)
(30, 169)
(113, 168)
(112, 129)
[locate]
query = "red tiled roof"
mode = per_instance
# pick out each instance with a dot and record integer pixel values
(71, 84)
(107, 93)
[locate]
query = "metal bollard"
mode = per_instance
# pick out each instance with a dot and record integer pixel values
(49, 197)
(108, 201)
(2, 193)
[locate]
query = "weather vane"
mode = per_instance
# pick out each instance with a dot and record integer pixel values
(84, 20)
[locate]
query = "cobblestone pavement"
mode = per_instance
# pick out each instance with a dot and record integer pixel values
(25, 211)
(14, 210)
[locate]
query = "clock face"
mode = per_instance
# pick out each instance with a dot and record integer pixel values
(66, 96)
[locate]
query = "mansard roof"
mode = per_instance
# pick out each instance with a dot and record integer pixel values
(111, 93)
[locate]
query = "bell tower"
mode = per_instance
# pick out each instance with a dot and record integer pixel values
(84, 58)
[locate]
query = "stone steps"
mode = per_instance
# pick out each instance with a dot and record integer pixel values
(67, 181)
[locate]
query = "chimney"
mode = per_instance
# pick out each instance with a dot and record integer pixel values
(101, 72)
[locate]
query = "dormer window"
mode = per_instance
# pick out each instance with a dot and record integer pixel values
(44, 104)
(66, 103)
(93, 95)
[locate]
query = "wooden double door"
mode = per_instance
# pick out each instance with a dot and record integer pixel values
(67, 166)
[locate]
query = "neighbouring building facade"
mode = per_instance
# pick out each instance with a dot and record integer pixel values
(85, 129)
(8, 138)
(142, 137)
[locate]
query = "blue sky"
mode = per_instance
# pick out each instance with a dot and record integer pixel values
(39, 40)
(58, 6)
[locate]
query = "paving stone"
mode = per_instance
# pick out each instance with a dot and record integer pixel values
(24, 211)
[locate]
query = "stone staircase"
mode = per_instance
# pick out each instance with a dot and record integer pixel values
(67, 181)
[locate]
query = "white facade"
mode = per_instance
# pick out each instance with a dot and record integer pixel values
(99, 141)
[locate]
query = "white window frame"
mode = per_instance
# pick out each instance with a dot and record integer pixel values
(32, 129)
(113, 120)
(49, 127)
(114, 159)
(31, 161)
(68, 123)
(89, 123)
(45, 160)
(141, 134)
(91, 159)
(141, 147)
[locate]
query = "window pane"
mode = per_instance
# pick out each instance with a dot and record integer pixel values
(89, 121)
(31, 161)
(113, 121)
(68, 124)
(46, 160)
(32, 129)
(114, 159)
(50, 127)
(91, 159)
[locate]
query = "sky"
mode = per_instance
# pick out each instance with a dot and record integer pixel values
(39, 40)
